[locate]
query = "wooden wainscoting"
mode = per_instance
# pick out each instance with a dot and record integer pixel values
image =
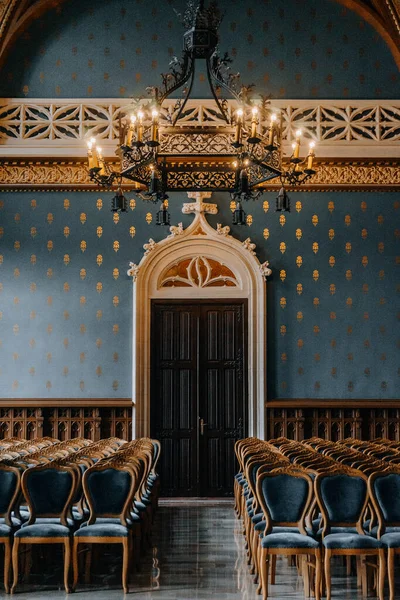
(93, 423)
(334, 420)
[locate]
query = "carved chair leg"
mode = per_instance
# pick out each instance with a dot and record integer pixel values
(125, 565)
(15, 563)
(7, 564)
(264, 564)
(318, 565)
(327, 565)
(75, 565)
(67, 563)
(381, 575)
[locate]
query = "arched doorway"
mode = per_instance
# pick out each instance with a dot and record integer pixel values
(200, 267)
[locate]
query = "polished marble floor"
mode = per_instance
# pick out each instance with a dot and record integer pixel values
(198, 553)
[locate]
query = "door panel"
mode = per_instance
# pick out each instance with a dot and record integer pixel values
(198, 361)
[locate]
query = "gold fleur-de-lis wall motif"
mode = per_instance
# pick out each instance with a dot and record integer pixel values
(17, 217)
(300, 343)
(66, 259)
(33, 204)
(314, 220)
(50, 218)
(282, 247)
(99, 315)
(299, 206)
(83, 246)
(99, 232)
(348, 247)
(116, 218)
(50, 245)
(282, 274)
(1, 232)
(349, 275)
(66, 287)
(282, 302)
(99, 371)
(381, 219)
(132, 231)
(315, 247)
(266, 233)
(299, 234)
(299, 289)
(299, 261)
(116, 246)
(82, 218)
(283, 329)
(332, 261)
(232, 206)
(331, 206)
(331, 234)
(266, 206)
(17, 246)
(99, 203)
(67, 204)
(99, 260)
(82, 300)
(99, 287)
(132, 203)
(82, 274)
(115, 301)
(347, 220)
(282, 220)
(316, 302)
(33, 232)
(332, 289)
(363, 206)
(299, 316)
(249, 220)
(364, 234)
(32, 288)
(115, 329)
(149, 217)
(364, 261)
(66, 231)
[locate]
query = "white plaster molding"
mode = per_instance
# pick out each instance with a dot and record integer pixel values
(199, 206)
(200, 240)
(133, 270)
(176, 230)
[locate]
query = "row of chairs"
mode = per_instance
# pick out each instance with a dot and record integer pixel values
(76, 492)
(320, 499)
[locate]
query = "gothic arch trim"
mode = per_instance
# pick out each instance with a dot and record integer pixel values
(199, 239)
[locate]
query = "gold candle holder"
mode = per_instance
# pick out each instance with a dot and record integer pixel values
(311, 156)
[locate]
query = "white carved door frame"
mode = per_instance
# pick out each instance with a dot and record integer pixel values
(152, 280)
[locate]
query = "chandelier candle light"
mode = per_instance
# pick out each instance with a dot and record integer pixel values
(162, 150)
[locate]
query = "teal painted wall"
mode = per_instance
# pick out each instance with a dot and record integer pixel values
(115, 48)
(336, 336)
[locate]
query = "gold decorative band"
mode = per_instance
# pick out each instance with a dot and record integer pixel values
(73, 175)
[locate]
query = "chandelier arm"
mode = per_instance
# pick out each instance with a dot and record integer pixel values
(190, 75)
(211, 79)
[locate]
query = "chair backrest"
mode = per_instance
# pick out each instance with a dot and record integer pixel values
(342, 497)
(384, 489)
(10, 485)
(284, 495)
(109, 490)
(49, 491)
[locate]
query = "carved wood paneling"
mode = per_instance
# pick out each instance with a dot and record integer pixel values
(336, 423)
(68, 423)
(384, 423)
(26, 423)
(116, 422)
(286, 422)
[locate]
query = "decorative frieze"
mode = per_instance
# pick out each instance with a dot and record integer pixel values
(73, 175)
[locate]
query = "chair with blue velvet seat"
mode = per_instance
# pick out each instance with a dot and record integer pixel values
(342, 496)
(109, 490)
(285, 496)
(384, 488)
(10, 482)
(49, 491)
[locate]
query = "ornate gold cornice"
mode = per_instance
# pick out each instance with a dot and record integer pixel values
(332, 175)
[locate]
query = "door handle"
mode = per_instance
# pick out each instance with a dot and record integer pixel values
(202, 425)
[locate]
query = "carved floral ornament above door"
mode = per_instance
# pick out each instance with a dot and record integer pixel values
(199, 270)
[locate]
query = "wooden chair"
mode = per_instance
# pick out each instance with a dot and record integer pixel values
(384, 489)
(49, 491)
(10, 483)
(285, 496)
(343, 497)
(109, 491)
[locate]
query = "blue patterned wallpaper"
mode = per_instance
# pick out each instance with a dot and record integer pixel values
(66, 301)
(115, 48)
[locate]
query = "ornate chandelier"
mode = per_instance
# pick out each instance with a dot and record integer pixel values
(161, 150)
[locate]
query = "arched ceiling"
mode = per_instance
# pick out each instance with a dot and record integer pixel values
(16, 15)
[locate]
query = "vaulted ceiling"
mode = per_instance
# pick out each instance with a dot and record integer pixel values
(15, 16)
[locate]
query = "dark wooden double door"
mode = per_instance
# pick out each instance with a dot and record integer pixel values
(198, 393)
